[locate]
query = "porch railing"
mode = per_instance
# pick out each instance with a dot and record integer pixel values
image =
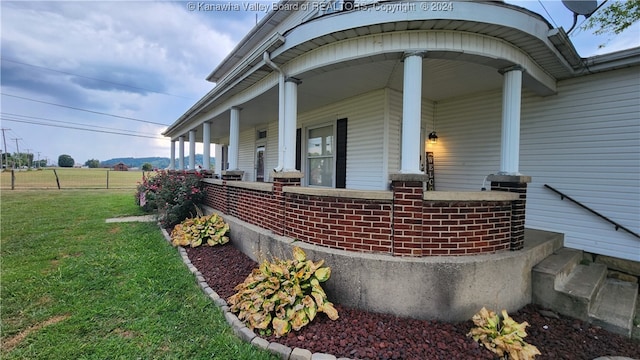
(615, 224)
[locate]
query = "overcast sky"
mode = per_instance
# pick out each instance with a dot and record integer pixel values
(133, 68)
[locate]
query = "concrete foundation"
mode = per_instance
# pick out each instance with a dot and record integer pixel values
(448, 288)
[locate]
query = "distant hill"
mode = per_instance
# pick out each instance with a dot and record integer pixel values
(156, 162)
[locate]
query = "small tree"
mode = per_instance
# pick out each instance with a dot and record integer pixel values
(615, 18)
(92, 163)
(147, 167)
(65, 160)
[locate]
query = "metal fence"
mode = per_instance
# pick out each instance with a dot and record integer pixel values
(69, 178)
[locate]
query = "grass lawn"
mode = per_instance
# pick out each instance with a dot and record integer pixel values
(75, 287)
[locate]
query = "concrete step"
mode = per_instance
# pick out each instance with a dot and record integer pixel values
(561, 283)
(579, 289)
(635, 332)
(551, 272)
(614, 307)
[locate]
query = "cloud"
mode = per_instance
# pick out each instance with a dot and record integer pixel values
(84, 52)
(146, 45)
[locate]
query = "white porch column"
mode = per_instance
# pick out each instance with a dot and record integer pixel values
(290, 123)
(234, 137)
(181, 152)
(511, 100)
(206, 145)
(219, 162)
(411, 113)
(192, 149)
(172, 159)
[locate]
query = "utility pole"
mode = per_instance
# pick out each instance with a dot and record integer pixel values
(38, 163)
(18, 151)
(4, 140)
(28, 159)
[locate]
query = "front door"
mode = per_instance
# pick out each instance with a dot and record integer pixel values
(260, 163)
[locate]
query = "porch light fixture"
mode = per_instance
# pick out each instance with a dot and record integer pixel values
(433, 137)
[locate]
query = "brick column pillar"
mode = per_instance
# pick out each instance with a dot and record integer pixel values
(515, 184)
(406, 220)
(278, 214)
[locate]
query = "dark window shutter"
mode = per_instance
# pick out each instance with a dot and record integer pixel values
(341, 153)
(298, 149)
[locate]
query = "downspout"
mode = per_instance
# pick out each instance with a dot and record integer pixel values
(281, 79)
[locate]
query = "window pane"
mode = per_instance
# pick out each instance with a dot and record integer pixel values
(320, 141)
(321, 171)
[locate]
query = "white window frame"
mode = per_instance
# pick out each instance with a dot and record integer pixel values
(305, 158)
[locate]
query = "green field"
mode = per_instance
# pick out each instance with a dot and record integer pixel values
(75, 287)
(70, 178)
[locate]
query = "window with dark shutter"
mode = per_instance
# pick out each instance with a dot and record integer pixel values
(341, 153)
(298, 149)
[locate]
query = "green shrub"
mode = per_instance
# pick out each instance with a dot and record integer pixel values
(174, 194)
(283, 295)
(502, 336)
(210, 230)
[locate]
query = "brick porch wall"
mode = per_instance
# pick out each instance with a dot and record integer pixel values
(340, 223)
(400, 222)
(465, 228)
(252, 206)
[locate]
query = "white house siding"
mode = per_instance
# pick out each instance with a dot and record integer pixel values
(271, 151)
(393, 125)
(468, 147)
(246, 154)
(585, 142)
(365, 129)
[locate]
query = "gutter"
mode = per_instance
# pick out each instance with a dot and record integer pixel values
(267, 59)
(561, 41)
(244, 69)
(614, 60)
(266, 25)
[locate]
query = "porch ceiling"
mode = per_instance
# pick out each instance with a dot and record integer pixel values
(441, 79)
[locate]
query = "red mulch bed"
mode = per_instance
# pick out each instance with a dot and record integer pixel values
(360, 334)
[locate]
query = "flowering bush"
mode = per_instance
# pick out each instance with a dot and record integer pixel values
(176, 195)
(147, 189)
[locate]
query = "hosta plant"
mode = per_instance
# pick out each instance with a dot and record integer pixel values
(502, 336)
(210, 230)
(282, 295)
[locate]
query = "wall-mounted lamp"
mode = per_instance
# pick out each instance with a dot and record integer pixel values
(433, 137)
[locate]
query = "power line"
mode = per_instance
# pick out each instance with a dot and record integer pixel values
(85, 129)
(67, 122)
(86, 110)
(92, 78)
(545, 10)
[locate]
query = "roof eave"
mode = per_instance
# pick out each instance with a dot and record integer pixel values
(613, 60)
(258, 32)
